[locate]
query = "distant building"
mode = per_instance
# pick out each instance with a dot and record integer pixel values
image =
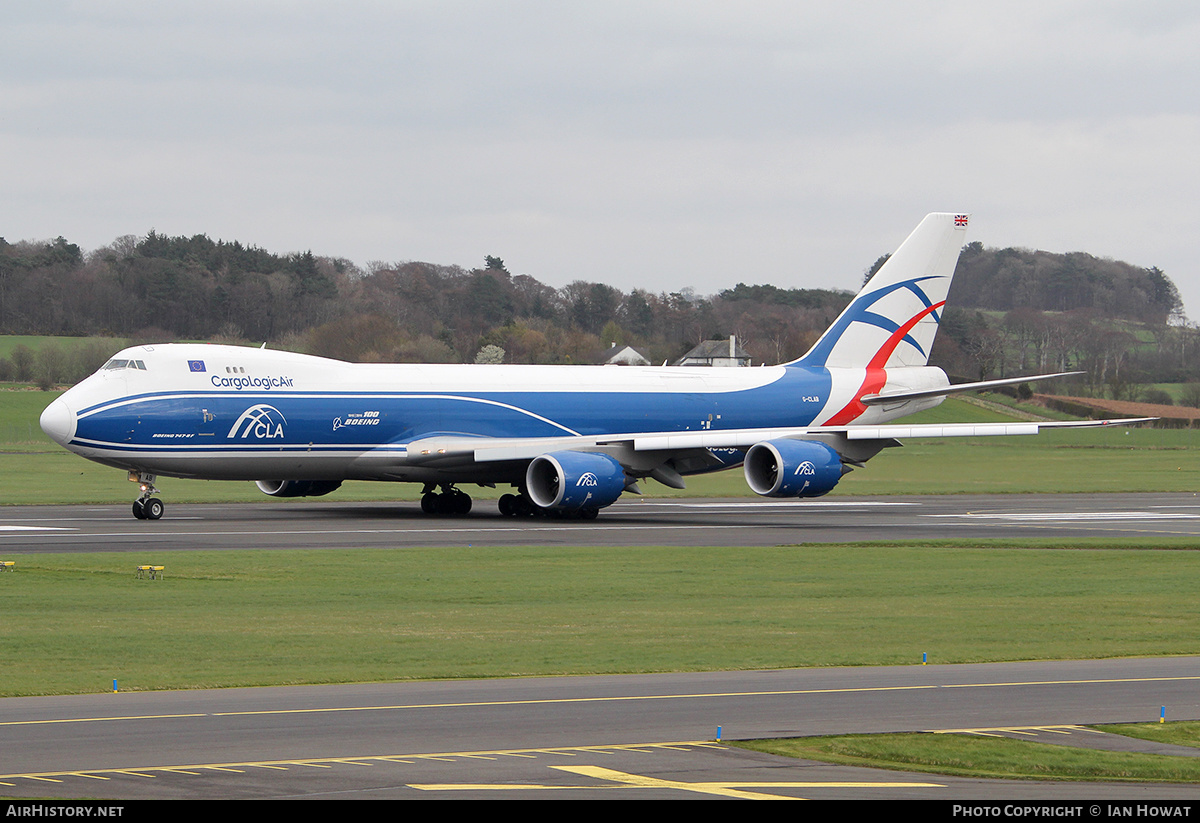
(716, 353)
(624, 356)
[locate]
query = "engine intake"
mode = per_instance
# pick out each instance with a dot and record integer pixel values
(569, 481)
(297, 488)
(792, 468)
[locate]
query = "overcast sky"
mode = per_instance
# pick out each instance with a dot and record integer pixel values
(648, 144)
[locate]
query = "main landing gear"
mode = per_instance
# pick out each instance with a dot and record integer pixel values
(147, 506)
(521, 505)
(448, 501)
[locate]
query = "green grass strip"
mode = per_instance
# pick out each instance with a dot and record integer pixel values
(1184, 733)
(988, 757)
(74, 622)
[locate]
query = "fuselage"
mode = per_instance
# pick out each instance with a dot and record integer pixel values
(233, 413)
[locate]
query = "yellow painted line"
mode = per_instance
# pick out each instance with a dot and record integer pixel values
(996, 731)
(643, 782)
(616, 699)
(617, 779)
(577, 700)
(1104, 681)
(365, 760)
(99, 719)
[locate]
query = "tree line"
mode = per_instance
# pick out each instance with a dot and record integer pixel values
(1012, 310)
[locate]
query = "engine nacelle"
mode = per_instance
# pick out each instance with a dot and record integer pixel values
(792, 468)
(570, 481)
(297, 488)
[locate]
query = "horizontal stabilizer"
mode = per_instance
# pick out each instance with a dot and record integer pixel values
(895, 397)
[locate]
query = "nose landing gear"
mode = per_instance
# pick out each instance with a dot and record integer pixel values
(147, 506)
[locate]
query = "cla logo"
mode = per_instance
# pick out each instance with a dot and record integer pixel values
(263, 421)
(587, 479)
(806, 468)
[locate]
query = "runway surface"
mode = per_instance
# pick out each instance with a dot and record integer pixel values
(328, 524)
(646, 736)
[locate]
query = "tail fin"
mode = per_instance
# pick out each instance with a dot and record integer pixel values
(893, 320)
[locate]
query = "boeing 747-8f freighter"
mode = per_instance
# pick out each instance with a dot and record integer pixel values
(568, 439)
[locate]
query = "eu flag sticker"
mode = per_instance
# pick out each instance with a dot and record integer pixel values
(196, 365)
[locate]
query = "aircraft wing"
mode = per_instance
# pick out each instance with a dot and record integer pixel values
(453, 450)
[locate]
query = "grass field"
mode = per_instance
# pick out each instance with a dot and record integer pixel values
(995, 757)
(74, 622)
(34, 343)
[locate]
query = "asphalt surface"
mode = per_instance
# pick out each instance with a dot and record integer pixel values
(646, 736)
(328, 524)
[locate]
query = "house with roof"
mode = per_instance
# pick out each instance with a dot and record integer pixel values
(716, 353)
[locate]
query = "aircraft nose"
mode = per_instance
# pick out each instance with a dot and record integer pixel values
(58, 422)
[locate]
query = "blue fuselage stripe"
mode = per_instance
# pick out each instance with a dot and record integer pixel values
(226, 422)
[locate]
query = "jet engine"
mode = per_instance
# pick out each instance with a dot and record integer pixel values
(792, 468)
(571, 481)
(297, 488)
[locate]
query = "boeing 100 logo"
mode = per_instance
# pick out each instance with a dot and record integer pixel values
(262, 422)
(370, 418)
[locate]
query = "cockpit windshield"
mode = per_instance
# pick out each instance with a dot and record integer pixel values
(116, 363)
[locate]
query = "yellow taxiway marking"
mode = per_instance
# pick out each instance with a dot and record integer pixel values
(615, 699)
(736, 789)
(365, 760)
(999, 731)
(100, 719)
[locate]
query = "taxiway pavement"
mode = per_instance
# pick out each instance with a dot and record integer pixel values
(645, 736)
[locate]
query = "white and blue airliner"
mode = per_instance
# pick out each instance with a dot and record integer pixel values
(568, 439)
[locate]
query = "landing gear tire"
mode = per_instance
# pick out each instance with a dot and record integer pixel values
(460, 503)
(449, 501)
(151, 509)
(147, 506)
